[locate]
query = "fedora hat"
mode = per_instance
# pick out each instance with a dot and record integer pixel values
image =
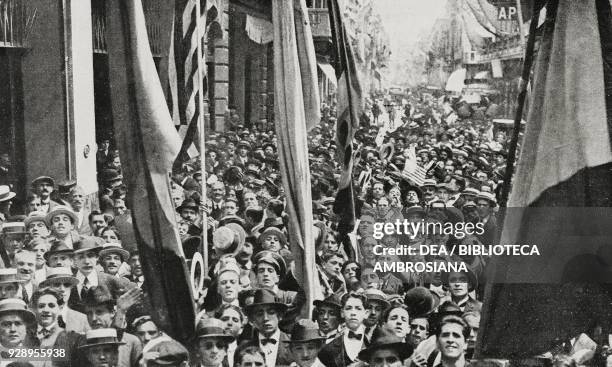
(6, 193)
(228, 239)
(61, 209)
(114, 248)
(9, 275)
(332, 300)
(271, 258)
(384, 338)
(58, 247)
(107, 175)
(421, 302)
(43, 179)
(85, 244)
(59, 275)
(305, 331)
(472, 280)
(98, 337)
(188, 203)
(212, 328)
(376, 295)
(17, 306)
(264, 297)
(35, 217)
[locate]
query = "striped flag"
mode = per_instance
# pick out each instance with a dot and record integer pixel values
(148, 145)
(416, 176)
(350, 104)
(183, 69)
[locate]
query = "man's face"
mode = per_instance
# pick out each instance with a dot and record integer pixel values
(111, 263)
(147, 331)
(328, 318)
(135, 265)
(267, 277)
(230, 208)
(13, 243)
(60, 260)
(458, 284)
(354, 313)
(265, 319)
(119, 207)
(229, 286)
(366, 225)
(378, 191)
(212, 351)
(25, 263)
(333, 266)
(412, 197)
(110, 236)
(63, 288)
(484, 208)
(419, 330)
(385, 358)
(40, 251)
(443, 194)
(474, 324)
(250, 199)
(271, 243)
(177, 199)
(44, 189)
(103, 355)
(232, 320)
(189, 214)
(99, 317)
(218, 190)
(245, 254)
(61, 224)
(305, 354)
(350, 272)
(451, 342)
(47, 310)
(77, 199)
(12, 330)
(38, 229)
(370, 279)
(8, 290)
(86, 261)
(97, 222)
(34, 205)
(429, 192)
(376, 309)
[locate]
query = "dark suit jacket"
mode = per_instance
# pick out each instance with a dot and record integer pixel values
(116, 285)
(334, 354)
(283, 356)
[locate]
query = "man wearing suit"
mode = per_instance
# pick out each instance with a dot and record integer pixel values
(25, 263)
(265, 313)
(344, 349)
(43, 186)
(460, 284)
(77, 201)
(85, 259)
(62, 280)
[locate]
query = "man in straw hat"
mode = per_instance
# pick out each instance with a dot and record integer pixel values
(36, 225)
(62, 221)
(112, 255)
(61, 280)
(14, 321)
(265, 313)
(102, 348)
(386, 350)
(212, 342)
(305, 344)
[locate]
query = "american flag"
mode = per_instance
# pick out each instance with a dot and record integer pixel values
(183, 68)
(416, 175)
(350, 104)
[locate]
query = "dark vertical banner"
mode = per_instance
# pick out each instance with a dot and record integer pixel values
(561, 199)
(148, 144)
(350, 104)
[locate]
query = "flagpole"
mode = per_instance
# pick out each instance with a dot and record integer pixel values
(519, 10)
(198, 30)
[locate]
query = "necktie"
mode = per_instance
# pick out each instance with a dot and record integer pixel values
(268, 340)
(60, 322)
(44, 333)
(355, 336)
(85, 288)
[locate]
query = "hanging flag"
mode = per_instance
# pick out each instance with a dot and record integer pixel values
(561, 197)
(183, 69)
(350, 104)
(148, 144)
(295, 111)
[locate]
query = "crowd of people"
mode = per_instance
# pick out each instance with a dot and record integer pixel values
(71, 280)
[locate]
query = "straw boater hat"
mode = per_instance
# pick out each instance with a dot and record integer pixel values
(384, 338)
(9, 275)
(228, 239)
(13, 228)
(99, 337)
(487, 196)
(114, 248)
(35, 217)
(264, 297)
(212, 328)
(59, 275)
(6, 193)
(17, 306)
(376, 295)
(305, 331)
(61, 209)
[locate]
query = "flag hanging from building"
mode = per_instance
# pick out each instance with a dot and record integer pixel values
(295, 111)
(561, 198)
(183, 68)
(148, 144)
(350, 104)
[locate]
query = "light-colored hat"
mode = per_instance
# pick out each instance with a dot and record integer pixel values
(18, 306)
(35, 217)
(6, 193)
(61, 209)
(59, 275)
(9, 275)
(98, 337)
(114, 248)
(13, 228)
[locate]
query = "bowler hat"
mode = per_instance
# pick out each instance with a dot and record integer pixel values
(421, 302)
(384, 338)
(264, 297)
(86, 244)
(99, 337)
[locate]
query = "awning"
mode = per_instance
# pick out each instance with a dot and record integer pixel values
(259, 30)
(328, 71)
(456, 81)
